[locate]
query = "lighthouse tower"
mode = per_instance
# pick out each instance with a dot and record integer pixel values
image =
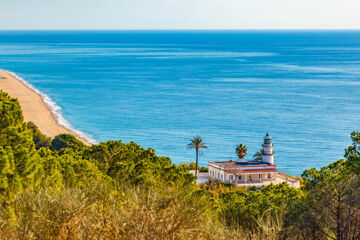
(267, 154)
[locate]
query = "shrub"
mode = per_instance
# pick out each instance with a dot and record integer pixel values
(66, 141)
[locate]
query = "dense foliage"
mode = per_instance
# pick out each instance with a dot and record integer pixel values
(61, 189)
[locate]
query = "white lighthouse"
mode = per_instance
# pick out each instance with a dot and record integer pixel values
(267, 154)
(251, 172)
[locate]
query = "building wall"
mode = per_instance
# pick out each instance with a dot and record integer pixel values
(219, 174)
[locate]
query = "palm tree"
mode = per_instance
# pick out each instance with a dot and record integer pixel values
(241, 151)
(257, 156)
(197, 143)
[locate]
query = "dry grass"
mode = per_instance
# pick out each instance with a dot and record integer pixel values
(96, 212)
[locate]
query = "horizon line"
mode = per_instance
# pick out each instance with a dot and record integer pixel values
(200, 29)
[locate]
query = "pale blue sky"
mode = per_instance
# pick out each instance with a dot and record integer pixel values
(179, 14)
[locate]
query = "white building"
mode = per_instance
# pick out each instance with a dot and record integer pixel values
(251, 172)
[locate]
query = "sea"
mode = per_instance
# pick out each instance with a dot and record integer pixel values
(161, 88)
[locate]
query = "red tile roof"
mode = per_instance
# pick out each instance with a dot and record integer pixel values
(240, 165)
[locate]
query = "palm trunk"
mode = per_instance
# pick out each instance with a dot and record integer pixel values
(197, 157)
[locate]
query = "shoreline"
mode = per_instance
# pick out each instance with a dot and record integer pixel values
(37, 107)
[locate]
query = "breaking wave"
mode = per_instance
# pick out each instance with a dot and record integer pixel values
(55, 109)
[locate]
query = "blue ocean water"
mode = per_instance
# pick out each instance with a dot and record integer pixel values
(160, 88)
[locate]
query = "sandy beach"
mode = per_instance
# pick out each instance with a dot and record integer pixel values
(33, 107)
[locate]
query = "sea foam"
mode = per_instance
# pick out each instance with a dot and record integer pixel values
(55, 109)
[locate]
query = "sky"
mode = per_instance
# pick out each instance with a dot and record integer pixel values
(179, 14)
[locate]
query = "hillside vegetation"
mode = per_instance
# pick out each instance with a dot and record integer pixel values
(61, 189)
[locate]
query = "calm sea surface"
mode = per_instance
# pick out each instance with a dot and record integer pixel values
(160, 88)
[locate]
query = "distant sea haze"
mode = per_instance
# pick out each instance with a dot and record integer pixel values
(160, 88)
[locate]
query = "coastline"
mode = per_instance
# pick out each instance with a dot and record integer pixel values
(37, 107)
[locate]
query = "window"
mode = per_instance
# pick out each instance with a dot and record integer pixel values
(239, 177)
(231, 177)
(221, 176)
(260, 176)
(269, 175)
